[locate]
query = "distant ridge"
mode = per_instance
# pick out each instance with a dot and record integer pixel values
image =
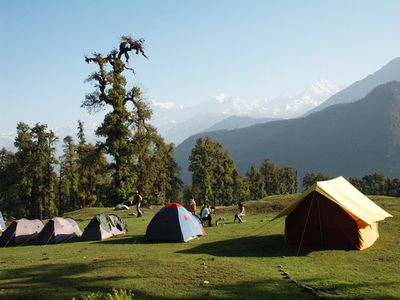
(353, 139)
(359, 89)
(176, 122)
(235, 122)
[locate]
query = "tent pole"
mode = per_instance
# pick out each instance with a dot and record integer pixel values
(9, 240)
(305, 225)
(49, 238)
(320, 223)
(28, 239)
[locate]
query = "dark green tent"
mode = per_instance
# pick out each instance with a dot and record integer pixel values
(104, 226)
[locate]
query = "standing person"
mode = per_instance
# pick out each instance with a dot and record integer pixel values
(240, 214)
(206, 214)
(204, 206)
(138, 202)
(191, 206)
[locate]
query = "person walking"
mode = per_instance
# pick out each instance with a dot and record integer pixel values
(138, 199)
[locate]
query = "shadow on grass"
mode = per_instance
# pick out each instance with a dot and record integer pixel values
(254, 246)
(45, 280)
(123, 239)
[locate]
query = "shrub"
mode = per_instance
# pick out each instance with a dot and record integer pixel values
(117, 295)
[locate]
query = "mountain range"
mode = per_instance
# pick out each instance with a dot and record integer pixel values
(352, 139)
(176, 122)
(358, 90)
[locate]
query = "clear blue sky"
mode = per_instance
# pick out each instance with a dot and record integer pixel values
(196, 49)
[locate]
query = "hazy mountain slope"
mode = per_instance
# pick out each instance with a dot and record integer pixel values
(179, 132)
(352, 139)
(359, 89)
(176, 122)
(238, 122)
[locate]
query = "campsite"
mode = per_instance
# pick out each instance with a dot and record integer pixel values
(232, 261)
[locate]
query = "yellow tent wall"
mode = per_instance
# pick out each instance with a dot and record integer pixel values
(333, 213)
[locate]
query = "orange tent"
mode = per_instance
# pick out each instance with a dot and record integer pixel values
(333, 213)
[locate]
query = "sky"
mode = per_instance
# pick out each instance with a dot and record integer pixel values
(196, 50)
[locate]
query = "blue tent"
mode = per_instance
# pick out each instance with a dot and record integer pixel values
(174, 223)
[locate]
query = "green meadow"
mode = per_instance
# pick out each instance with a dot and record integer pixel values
(233, 261)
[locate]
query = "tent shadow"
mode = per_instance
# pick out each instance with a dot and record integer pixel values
(254, 246)
(132, 239)
(123, 239)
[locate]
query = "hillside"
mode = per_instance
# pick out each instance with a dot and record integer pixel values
(359, 89)
(235, 122)
(351, 139)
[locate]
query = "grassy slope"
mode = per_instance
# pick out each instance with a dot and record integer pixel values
(240, 261)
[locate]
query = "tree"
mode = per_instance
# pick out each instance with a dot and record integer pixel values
(224, 169)
(92, 171)
(68, 178)
(241, 187)
(256, 183)
(35, 159)
(270, 172)
(188, 191)
(357, 183)
(310, 178)
(212, 171)
(10, 202)
(118, 123)
(158, 172)
(288, 179)
(201, 165)
(376, 184)
(395, 187)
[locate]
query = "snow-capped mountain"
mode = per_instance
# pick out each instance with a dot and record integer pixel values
(176, 122)
(294, 106)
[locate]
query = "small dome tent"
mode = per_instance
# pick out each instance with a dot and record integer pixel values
(174, 223)
(57, 230)
(104, 226)
(333, 213)
(20, 231)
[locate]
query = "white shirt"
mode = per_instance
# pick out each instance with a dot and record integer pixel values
(205, 212)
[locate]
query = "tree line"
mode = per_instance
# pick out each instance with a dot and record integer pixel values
(140, 158)
(34, 183)
(216, 180)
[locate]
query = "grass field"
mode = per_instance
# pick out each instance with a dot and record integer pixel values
(233, 261)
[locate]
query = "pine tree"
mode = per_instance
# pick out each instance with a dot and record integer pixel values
(256, 183)
(270, 172)
(35, 166)
(212, 171)
(68, 178)
(92, 171)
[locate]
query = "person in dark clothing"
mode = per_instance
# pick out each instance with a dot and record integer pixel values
(240, 214)
(206, 214)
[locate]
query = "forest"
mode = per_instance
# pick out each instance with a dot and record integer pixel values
(132, 156)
